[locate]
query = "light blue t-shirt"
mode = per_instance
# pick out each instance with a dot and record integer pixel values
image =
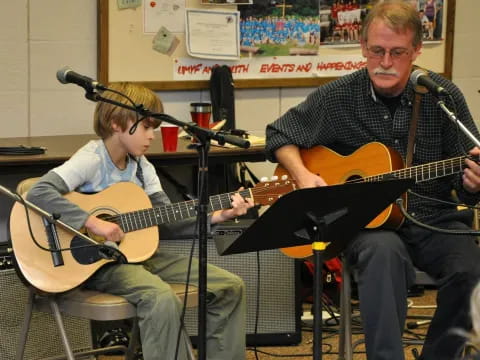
(91, 170)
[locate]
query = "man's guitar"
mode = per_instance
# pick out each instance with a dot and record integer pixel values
(125, 204)
(371, 162)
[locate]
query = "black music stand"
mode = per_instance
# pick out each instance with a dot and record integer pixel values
(326, 217)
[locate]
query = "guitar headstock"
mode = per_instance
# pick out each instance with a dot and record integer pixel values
(266, 192)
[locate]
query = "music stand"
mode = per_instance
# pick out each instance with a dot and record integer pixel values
(331, 214)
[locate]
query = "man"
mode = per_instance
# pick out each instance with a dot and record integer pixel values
(375, 104)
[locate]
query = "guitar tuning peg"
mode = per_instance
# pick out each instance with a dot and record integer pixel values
(274, 178)
(264, 179)
(284, 177)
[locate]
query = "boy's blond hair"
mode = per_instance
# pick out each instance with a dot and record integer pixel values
(106, 114)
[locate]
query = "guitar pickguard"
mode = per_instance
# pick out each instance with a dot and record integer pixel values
(84, 255)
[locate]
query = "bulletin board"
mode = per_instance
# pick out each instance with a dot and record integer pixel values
(125, 52)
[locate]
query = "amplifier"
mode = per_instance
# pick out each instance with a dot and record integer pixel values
(43, 338)
(6, 257)
(279, 301)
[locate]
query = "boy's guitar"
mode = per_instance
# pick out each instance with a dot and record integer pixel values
(371, 162)
(125, 204)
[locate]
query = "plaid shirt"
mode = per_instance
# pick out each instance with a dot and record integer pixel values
(345, 114)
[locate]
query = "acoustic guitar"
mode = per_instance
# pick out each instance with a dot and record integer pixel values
(123, 203)
(371, 162)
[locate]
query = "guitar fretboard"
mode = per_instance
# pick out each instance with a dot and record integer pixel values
(141, 219)
(423, 172)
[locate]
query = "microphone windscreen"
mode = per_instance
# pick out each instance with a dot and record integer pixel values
(416, 74)
(62, 74)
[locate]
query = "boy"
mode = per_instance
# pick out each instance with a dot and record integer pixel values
(119, 156)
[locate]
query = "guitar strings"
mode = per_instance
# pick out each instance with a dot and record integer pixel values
(425, 170)
(170, 208)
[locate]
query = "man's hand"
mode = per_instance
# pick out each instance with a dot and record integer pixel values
(239, 207)
(309, 180)
(471, 174)
(108, 230)
(289, 157)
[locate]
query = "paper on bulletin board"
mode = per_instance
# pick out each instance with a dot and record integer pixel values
(167, 13)
(213, 34)
(128, 4)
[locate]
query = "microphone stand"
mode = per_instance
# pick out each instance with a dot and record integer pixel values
(204, 136)
(453, 117)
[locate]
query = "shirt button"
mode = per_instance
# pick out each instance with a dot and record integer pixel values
(385, 117)
(413, 214)
(396, 141)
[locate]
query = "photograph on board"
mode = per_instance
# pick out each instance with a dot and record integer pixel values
(340, 20)
(279, 28)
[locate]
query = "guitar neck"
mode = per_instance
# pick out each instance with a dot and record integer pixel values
(424, 172)
(141, 219)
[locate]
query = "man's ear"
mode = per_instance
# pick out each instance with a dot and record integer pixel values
(417, 51)
(363, 44)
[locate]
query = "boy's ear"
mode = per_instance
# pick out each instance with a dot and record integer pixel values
(115, 126)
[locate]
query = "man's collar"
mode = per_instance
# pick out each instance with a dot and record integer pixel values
(406, 96)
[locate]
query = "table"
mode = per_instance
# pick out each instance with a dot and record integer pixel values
(60, 148)
(180, 164)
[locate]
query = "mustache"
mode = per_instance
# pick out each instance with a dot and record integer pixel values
(381, 71)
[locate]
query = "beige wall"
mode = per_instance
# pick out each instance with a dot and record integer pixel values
(38, 37)
(466, 71)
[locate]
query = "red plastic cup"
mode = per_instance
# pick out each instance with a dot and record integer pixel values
(169, 137)
(201, 112)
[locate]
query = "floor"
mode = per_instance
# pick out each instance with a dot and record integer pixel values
(330, 337)
(304, 350)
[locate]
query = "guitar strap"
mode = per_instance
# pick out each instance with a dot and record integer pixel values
(139, 173)
(419, 91)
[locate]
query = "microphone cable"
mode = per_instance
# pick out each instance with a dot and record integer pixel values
(138, 119)
(399, 202)
(446, 202)
(187, 284)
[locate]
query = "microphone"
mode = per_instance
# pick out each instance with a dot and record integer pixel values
(420, 77)
(67, 76)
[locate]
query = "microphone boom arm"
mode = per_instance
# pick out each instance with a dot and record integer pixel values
(456, 121)
(191, 128)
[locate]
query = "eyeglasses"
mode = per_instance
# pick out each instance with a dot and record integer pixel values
(379, 52)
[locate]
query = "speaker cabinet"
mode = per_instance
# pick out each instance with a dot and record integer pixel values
(279, 303)
(43, 337)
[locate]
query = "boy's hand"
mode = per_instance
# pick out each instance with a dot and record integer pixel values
(108, 230)
(239, 207)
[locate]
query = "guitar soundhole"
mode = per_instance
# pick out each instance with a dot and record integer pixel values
(103, 216)
(84, 255)
(354, 178)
